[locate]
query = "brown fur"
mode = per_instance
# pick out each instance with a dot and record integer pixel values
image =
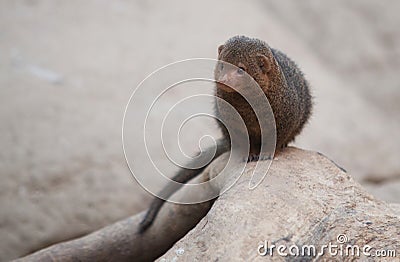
(281, 81)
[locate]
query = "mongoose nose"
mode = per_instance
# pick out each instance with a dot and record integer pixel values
(223, 79)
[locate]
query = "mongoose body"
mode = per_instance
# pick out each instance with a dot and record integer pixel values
(280, 80)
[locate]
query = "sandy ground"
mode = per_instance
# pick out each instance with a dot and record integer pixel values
(67, 70)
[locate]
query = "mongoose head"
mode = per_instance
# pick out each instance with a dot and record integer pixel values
(249, 55)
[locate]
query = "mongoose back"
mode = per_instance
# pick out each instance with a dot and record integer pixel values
(281, 81)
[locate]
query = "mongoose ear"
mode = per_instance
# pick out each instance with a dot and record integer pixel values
(264, 63)
(220, 48)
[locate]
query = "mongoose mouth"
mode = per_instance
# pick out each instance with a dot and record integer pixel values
(225, 88)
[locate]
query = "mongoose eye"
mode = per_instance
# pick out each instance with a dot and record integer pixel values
(240, 71)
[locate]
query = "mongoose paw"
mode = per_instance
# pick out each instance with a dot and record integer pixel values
(255, 158)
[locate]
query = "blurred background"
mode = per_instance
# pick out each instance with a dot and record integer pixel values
(68, 68)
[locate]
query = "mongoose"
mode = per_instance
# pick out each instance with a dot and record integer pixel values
(281, 81)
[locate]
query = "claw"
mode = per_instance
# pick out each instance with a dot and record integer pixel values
(255, 158)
